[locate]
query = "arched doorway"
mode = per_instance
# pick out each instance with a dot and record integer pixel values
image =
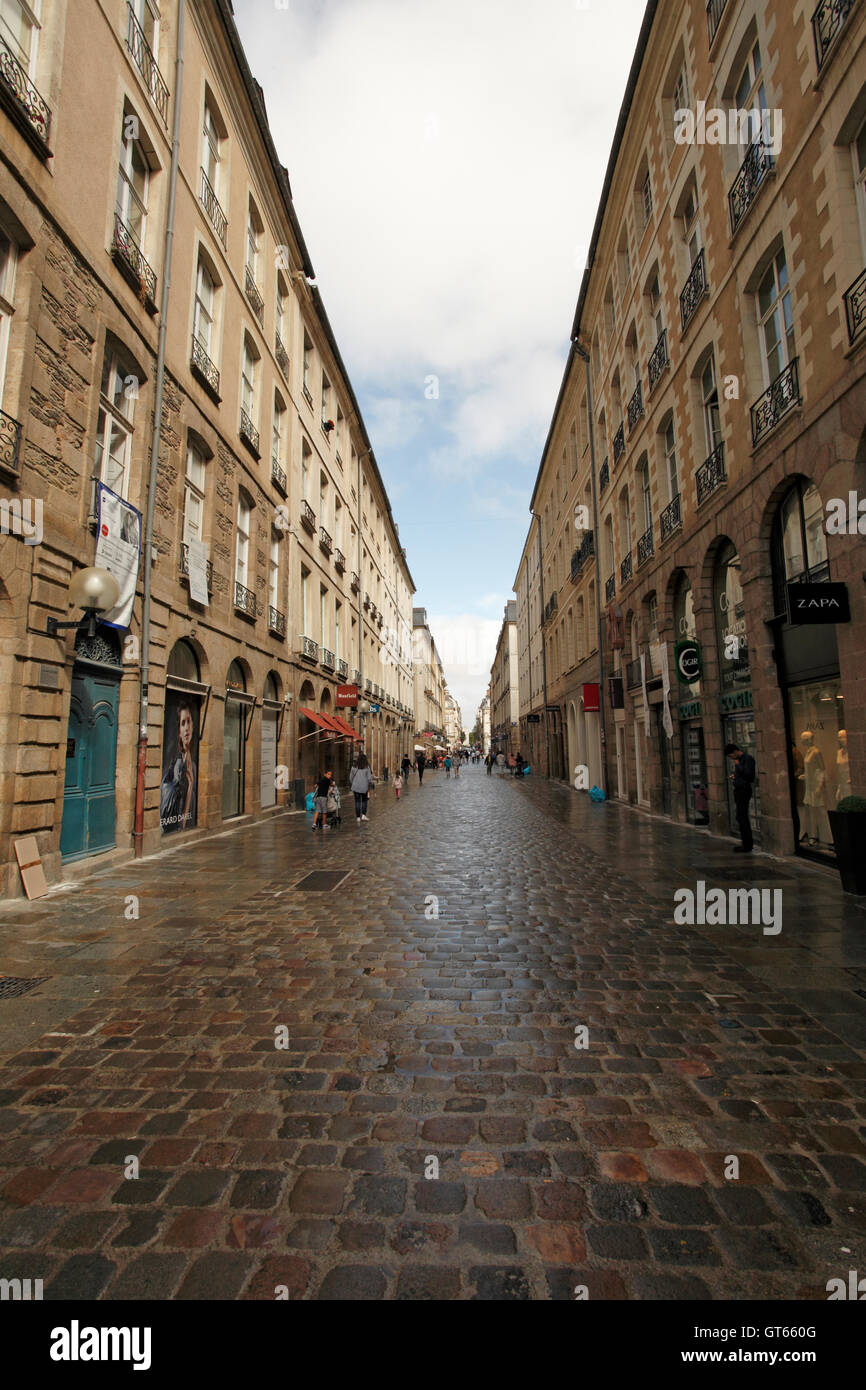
(308, 736)
(181, 731)
(237, 712)
(271, 712)
(88, 820)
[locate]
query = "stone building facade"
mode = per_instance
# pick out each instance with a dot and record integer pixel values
(266, 497)
(429, 675)
(711, 422)
(504, 697)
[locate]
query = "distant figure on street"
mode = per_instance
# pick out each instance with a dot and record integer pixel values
(398, 784)
(406, 766)
(457, 762)
(512, 764)
(420, 763)
(489, 761)
(320, 805)
(360, 784)
(448, 767)
(743, 778)
(500, 761)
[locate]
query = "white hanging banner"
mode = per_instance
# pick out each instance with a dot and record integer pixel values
(666, 687)
(646, 713)
(197, 565)
(118, 550)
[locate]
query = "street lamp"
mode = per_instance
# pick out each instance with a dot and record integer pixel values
(96, 591)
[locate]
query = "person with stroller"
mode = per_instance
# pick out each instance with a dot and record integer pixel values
(320, 804)
(335, 806)
(361, 784)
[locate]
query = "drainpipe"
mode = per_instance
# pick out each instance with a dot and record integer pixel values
(138, 830)
(584, 356)
(543, 647)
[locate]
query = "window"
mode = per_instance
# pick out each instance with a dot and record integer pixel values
(338, 522)
(248, 380)
(133, 181)
(8, 262)
(114, 424)
(326, 399)
(338, 615)
(305, 599)
(647, 199)
(858, 154)
(253, 240)
(776, 319)
(242, 553)
(278, 438)
(281, 312)
(643, 475)
(681, 93)
(306, 455)
(147, 14)
(323, 500)
(193, 495)
(609, 311)
(624, 260)
(625, 521)
(210, 148)
(610, 553)
(802, 541)
(274, 573)
(652, 610)
(670, 453)
(323, 614)
(710, 407)
(203, 313)
(308, 357)
(691, 226)
(750, 94)
(19, 30)
(656, 309)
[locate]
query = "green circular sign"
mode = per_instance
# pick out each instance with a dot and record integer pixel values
(688, 662)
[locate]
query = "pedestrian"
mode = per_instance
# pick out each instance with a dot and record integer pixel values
(419, 763)
(320, 804)
(361, 784)
(398, 784)
(406, 766)
(743, 778)
(500, 761)
(457, 762)
(448, 767)
(512, 763)
(489, 761)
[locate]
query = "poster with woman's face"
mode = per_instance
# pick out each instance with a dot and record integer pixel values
(178, 798)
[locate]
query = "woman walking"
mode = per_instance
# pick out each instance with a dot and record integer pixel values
(360, 783)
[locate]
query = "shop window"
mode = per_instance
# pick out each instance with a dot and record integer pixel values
(799, 542)
(730, 614)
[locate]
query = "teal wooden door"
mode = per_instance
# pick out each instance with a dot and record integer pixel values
(91, 756)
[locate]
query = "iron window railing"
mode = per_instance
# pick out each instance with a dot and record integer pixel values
(625, 569)
(356, 583)
(328, 659)
(715, 10)
(343, 669)
(671, 518)
(828, 21)
(10, 442)
(711, 474)
(204, 369)
(659, 359)
(645, 547)
(252, 291)
(308, 518)
(211, 205)
(694, 290)
(325, 542)
(307, 396)
(282, 357)
(339, 561)
(855, 308)
(604, 476)
(309, 649)
(128, 256)
(610, 589)
(356, 677)
(618, 445)
(248, 432)
(635, 407)
(777, 400)
(278, 476)
(582, 553)
(245, 600)
(276, 622)
(143, 56)
(31, 110)
(749, 181)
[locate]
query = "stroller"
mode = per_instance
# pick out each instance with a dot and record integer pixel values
(334, 817)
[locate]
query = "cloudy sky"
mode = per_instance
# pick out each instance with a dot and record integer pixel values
(446, 162)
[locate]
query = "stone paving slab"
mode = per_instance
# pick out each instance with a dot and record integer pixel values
(426, 1127)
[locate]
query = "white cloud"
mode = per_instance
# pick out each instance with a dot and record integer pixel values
(467, 646)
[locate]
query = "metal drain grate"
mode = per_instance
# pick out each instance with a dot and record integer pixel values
(12, 986)
(322, 880)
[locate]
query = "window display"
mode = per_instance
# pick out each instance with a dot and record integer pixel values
(819, 757)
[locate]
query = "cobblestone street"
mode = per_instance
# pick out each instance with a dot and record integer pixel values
(414, 1038)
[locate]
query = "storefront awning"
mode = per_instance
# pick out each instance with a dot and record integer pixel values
(323, 720)
(343, 728)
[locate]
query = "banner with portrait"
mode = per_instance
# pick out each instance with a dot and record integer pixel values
(178, 794)
(118, 550)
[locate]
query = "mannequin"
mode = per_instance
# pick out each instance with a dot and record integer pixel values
(812, 811)
(843, 775)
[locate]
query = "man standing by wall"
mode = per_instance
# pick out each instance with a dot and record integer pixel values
(743, 778)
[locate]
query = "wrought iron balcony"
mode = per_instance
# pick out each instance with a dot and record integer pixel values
(855, 308)
(618, 445)
(184, 567)
(309, 649)
(715, 10)
(31, 114)
(776, 401)
(10, 443)
(356, 583)
(329, 661)
(205, 371)
(582, 554)
(339, 561)
(143, 57)
(625, 569)
(307, 397)
(211, 205)
(343, 669)
(325, 542)
(356, 677)
(827, 23)
(711, 474)
(749, 181)
(308, 518)
(282, 357)
(380, 618)
(278, 477)
(276, 622)
(659, 359)
(245, 601)
(339, 458)
(368, 603)
(252, 290)
(604, 476)
(368, 686)
(129, 259)
(248, 432)
(645, 547)
(610, 589)
(635, 407)
(671, 518)
(632, 675)
(694, 290)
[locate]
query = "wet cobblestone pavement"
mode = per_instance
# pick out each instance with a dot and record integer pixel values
(414, 1038)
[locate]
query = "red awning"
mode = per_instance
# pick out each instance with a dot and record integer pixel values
(344, 728)
(322, 720)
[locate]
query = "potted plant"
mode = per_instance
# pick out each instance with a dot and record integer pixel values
(848, 823)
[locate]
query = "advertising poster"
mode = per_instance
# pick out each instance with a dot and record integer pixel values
(178, 795)
(118, 550)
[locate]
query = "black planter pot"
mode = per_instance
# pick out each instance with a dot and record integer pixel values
(849, 838)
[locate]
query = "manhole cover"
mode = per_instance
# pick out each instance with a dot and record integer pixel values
(11, 986)
(322, 880)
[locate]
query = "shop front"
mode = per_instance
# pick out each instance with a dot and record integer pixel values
(735, 677)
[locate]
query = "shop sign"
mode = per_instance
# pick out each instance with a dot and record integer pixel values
(347, 697)
(533, 718)
(736, 700)
(692, 710)
(688, 662)
(818, 603)
(591, 699)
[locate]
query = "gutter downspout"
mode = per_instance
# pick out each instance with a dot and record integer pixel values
(584, 356)
(543, 648)
(141, 774)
